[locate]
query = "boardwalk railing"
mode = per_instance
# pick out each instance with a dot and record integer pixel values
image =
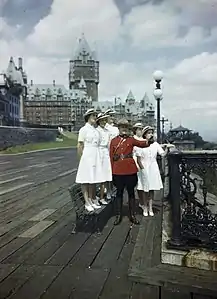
(193, 201)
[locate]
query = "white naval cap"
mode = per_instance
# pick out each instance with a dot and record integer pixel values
(138, 125)
(101, 116)
(110, 112)
(89, 112)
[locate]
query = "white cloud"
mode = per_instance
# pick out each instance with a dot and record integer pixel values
(158, 26)
(189, 87)
(57, 33)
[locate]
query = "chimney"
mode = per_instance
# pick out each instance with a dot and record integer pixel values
(31, 82)
(54, 83)
(20, 63)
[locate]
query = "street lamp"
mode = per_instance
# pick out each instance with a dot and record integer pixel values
(163, 120)
(158, 94)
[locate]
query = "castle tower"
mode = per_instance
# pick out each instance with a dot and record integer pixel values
(130, 100)
(84, 65)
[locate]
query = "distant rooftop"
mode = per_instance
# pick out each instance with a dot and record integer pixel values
(180, 129)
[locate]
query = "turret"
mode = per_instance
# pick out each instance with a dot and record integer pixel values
(84, 64)
(130, 100)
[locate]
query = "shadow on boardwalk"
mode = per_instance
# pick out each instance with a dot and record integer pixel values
(53, 262)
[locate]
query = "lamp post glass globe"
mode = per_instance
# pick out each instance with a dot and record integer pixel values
(158, 94)
(158, 75)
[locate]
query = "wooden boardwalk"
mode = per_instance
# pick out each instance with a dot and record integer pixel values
(42, 257)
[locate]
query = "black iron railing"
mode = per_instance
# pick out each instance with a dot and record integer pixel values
(192, 195)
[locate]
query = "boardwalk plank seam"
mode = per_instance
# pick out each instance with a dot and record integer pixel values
(38, 237)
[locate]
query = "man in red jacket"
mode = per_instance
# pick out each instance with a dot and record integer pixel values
(124, 169)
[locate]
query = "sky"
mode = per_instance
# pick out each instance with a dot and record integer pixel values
(133, 38)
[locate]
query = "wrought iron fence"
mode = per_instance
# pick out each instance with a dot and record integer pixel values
(192, 195)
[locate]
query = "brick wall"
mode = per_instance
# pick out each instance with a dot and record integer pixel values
(11, 136)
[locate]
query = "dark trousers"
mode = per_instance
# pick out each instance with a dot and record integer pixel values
(121, 182)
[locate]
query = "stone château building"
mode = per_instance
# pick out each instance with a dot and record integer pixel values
(54, 105)
(12, 93)
(134, 110)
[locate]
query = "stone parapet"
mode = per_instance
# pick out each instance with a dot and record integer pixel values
(12, 136)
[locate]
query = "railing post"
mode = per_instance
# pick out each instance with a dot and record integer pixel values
(174, 159)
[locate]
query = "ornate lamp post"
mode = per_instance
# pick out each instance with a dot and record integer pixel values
(163, 120)
(158, 94)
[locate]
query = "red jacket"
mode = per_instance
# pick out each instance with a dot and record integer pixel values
(124, 146)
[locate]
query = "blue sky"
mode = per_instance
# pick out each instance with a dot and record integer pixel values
(133, 38)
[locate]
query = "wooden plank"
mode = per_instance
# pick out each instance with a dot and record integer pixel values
(200, 296)
(14, 281)
(171, 293)
(112, 248)
(68, 249)
(14, 232)
(90, 250)
(48, 249)
(25, 216)
(37, 192)
(6, 270)
(33, 203)
(36, 229)
(144, 247)
(157, 240)
(78, 266)
(32, 200)
(15, 188)
(38, 283)
(29, 248)
(147, 244)
(192, 280)
(42, 215)
(143, 291)
(88, 283)
(63, 210)
(117, 285)
(11, 235)
(12, 247)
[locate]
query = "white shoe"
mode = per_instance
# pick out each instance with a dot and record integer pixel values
(95, 204)
(89, 208)
(103, 202)
(109, 196)
(151, 213)
(97, 198)
(145, 212)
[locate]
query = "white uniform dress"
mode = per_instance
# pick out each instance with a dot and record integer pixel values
(149, 178)
(113, 131)
(136, 149)
(90, 166)
(104, 154)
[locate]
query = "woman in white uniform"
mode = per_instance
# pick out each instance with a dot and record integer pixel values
(90, 167)
(113, 132)
(137, 134)
(104, 154)
(149, 178)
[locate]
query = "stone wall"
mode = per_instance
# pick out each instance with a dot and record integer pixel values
(12, 136)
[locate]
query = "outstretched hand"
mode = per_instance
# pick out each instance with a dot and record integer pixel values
(168, 145)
